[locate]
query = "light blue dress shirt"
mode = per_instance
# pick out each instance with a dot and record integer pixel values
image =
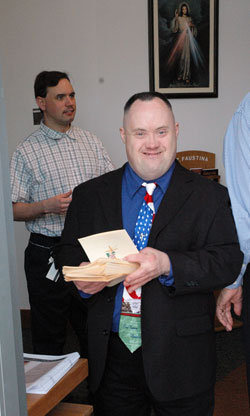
(236, 156)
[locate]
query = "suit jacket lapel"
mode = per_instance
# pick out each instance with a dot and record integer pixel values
(179, 190)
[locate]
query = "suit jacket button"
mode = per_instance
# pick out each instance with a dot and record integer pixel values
(109, 299)
(105, 332)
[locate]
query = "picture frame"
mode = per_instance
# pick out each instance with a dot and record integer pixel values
(183, 47)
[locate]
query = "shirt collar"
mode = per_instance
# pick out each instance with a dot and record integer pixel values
(53, 134)
(134, 181)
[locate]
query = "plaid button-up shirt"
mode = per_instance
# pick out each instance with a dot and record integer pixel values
(49, 163)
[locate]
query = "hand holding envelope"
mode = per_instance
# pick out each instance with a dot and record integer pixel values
(105, 252)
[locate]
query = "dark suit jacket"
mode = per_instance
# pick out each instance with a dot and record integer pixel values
(194, 226)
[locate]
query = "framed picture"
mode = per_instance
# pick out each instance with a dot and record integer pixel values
(183, 47)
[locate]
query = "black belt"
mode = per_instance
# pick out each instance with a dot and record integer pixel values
(44, 239)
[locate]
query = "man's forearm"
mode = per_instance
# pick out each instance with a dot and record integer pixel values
(23, 211)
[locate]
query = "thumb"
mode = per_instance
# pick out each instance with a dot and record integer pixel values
(67, 194)
(237, 308)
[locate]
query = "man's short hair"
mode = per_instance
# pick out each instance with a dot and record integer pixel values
(146, 96)
(47, 79)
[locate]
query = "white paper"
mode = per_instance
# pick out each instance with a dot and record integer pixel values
(42, 372)
(111, 244)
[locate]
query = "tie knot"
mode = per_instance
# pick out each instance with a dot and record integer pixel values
(150, 187)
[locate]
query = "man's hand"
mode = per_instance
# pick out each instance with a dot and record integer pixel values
(228, 297)
(88, 287)
(153, 263)
(58, 204)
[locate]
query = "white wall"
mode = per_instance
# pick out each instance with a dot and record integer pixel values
(103, 45)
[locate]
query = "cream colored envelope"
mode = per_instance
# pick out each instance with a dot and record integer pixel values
(105, 252)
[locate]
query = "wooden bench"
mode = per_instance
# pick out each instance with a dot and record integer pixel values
(71, 409)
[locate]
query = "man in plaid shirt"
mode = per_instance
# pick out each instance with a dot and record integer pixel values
(45, 168)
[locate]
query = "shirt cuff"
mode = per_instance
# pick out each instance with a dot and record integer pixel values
(167, 280)
(238, 282)
(84, 295)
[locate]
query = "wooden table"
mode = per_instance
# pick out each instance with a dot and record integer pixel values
(41, 404)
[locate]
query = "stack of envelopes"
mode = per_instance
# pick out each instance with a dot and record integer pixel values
(101, 270)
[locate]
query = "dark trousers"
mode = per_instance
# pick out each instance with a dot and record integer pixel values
(124, 390)
(52, 304)
(246, 322)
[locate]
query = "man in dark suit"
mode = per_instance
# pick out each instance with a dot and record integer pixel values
(192, 249)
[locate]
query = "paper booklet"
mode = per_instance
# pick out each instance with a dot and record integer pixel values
(105, 252)
(42, 372)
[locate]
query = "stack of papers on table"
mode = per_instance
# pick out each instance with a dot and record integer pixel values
(105, 252)
(42, 372)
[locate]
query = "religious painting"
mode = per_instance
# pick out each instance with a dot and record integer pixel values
(183, 47)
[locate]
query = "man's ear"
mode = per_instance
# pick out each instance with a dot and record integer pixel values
(123, 135)
(177, 129)
(41, 103)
